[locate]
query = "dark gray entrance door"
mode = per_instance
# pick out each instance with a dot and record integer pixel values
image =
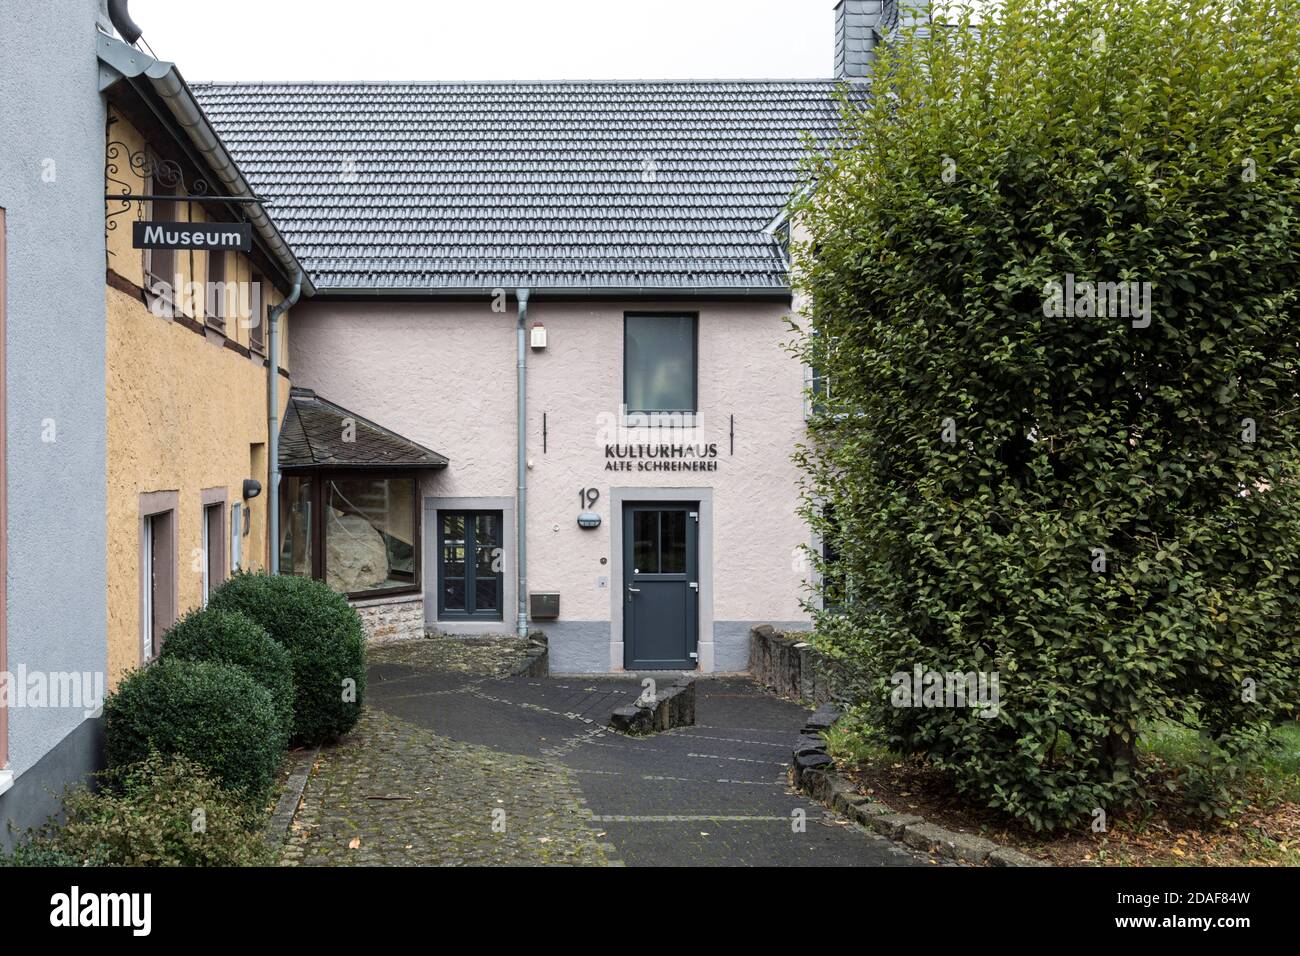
(661, 590)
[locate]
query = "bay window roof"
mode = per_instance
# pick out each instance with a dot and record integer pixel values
(319, 434)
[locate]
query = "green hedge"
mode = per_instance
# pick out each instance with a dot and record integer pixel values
(229, 637)
(325, 641)
(163, 811)
(214, 714)
(979, 450)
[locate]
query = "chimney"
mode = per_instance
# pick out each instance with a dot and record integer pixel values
(857, 31)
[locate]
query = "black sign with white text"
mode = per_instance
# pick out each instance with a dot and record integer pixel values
(216, 236)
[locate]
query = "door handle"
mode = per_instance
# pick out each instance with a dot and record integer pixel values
(632, 590)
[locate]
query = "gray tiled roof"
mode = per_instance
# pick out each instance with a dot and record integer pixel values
(313, 436)
(474, 186)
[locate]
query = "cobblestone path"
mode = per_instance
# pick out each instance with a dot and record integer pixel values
(456, 762)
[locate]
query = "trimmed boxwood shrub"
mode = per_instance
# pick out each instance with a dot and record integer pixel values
(163, 811)
(1053, 276)
(325, 641)
(230, 637)
(215, 714)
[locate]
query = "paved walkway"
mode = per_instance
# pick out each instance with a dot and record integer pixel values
(457, 763)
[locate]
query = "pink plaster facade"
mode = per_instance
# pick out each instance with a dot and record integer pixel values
(443, 375)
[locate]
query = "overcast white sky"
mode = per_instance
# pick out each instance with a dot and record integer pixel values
(491, 39)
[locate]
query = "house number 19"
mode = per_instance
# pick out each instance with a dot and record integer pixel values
(588, 497)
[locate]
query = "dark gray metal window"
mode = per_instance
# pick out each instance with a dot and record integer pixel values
(470, 565)
(659, 363)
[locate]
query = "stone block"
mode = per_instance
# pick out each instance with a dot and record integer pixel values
(893, 825)
(1007, 857)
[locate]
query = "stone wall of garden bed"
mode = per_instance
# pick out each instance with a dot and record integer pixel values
(814, 773)
(789, 666)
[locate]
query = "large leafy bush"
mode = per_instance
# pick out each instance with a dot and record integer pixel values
(325, 640)
(1104, 512)
(214, 714)
(163, 811)
(229, 637)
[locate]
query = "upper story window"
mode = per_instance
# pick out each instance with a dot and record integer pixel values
(219, 306)
(256, 313)
(659, 363)
(160, 264)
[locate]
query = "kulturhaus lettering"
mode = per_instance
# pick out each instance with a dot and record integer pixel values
(661, 457)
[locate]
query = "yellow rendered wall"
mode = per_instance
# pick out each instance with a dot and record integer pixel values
(184, 412)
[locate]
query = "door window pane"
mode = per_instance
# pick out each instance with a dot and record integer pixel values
(645, 542)
(369, 534)
(672, 530)
(453, 546)
(659, 362)
(485, 593)
(487, 529)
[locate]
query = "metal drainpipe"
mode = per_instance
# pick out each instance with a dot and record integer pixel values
(521, 504)
(273, 422)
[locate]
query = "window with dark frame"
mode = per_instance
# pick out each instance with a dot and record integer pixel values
(358, 532)
(471, 566)
(257, 313)
(160, 264)
(218, 305)
(660, 363)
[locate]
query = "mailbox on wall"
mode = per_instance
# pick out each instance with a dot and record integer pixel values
(543, 606)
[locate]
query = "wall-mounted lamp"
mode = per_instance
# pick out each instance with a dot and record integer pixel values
(589, 519)
(252, 488)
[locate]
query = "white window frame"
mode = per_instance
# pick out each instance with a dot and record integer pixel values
(146, 598)
(236, 536)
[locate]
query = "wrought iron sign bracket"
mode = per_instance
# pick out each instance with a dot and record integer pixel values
(121, 159)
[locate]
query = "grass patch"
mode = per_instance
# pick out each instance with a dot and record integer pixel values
(1262, 830)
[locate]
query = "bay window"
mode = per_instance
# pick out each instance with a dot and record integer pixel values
(356, 531)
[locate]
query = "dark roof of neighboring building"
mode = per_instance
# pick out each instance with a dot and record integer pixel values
(314, 431)
(466, 187)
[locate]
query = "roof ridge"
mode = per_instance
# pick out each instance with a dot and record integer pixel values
(302, 427)
(244, 84)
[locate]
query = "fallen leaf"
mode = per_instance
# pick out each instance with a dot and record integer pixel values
(354, 843)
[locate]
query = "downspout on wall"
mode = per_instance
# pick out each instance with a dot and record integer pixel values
(521, 504)
(273, 423)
